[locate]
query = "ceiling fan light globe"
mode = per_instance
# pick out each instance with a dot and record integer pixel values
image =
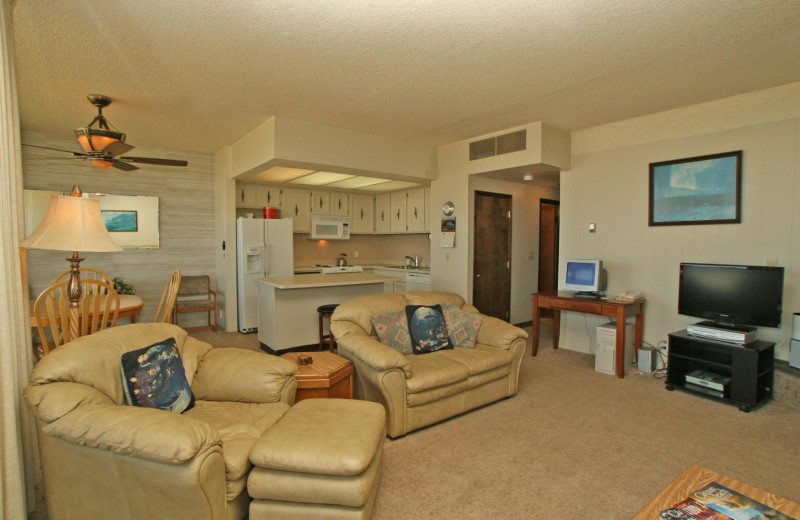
(92, 140)
(102, 164)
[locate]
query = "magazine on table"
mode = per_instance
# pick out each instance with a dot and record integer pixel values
(717, 502)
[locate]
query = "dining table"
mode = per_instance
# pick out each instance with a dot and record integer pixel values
(130, 306)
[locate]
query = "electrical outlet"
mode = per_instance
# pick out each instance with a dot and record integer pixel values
(531, 255)
(221, 314)
(447, 256)
(772, 263)
(355, 254)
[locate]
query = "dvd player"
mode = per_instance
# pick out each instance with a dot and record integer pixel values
(711, 330)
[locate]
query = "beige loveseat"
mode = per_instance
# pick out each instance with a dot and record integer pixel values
(418, 390)
(104, 459)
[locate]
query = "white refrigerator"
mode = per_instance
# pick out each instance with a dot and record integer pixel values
(263, 248)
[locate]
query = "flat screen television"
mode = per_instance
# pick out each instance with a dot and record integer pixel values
(586, 277)
(732, 295)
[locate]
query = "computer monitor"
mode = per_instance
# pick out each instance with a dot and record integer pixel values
(585, 277)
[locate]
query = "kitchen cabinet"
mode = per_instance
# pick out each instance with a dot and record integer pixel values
(383, 211)
(246, 196)
(428, 214)
(297, 206)
(268, 196)
(362, 217)
(320, 202)
(399, 211)
(340, 204)
(415, 211)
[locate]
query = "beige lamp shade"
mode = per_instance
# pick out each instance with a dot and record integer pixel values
(72, 224)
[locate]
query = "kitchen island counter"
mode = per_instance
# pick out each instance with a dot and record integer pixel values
(287, 305)
(304, 281)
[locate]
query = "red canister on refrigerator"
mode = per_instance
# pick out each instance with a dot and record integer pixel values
(270, 212)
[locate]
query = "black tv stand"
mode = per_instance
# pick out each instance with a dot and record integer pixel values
(749, 366)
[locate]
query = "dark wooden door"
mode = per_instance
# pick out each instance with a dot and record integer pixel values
(491, 273)
(548, 244)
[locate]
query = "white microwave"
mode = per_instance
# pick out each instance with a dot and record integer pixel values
(324, 227)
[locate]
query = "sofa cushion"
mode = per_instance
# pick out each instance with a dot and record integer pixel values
(427, 328)
(154, 377)
(239, 426)
(433, 372)
(392, 330)
(462, 326)
(480, 359)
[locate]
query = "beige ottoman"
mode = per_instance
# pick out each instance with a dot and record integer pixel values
(322, 460)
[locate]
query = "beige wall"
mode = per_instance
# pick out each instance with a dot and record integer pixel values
(186, 212)
(524, 238)
(608, 185)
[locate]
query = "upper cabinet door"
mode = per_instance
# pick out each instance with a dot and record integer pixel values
(415, 206)
(246, 196)
(320, 202)
(362, 217)
(296, 207)
(268, 196)
(340, 204)
(383, 213)
(398, 217)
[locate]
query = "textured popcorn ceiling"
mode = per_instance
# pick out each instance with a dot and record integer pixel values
(198, 75)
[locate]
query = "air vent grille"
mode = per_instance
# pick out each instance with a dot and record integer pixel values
(513, 142)
(482, 149)
(506, 143)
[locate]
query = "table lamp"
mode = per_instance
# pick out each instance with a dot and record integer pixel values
(72, 223)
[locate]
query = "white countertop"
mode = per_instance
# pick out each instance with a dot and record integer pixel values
(316, 269)
(304, 281)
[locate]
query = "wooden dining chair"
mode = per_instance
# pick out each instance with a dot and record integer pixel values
(167, 303)
(87, 273)
(98, 309)
(196, 295)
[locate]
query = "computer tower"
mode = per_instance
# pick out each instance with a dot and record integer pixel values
(647, 359)
(794, 353)
(605, 359)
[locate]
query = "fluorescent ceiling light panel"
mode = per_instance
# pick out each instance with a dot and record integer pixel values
(279, 174)
(321, 178)
(356, 183)
(391, 185)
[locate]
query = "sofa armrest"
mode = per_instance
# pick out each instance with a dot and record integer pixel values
(54, 400)
(235, 374)
(498, 333)
(144, 433)
(352, 339)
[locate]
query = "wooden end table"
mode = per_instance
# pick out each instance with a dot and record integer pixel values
(328, 376)
(694, 478)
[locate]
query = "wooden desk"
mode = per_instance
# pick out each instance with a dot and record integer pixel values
(129, 306)
(328, 376)
(566, 301)
(694, 478)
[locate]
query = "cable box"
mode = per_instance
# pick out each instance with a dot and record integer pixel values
(708, 379)
(708, 329)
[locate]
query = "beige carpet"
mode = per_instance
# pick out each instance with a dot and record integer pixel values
(578, 444)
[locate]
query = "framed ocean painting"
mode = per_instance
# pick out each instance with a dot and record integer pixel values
(697, 190)
(120, 220)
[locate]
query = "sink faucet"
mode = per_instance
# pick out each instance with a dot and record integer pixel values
(414, 259)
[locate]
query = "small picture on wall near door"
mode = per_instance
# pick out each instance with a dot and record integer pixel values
(120, 220)
(697, 190)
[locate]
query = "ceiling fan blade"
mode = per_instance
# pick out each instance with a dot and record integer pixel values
(54, 149)
(121, 165)
(117, 148)
(151, 160)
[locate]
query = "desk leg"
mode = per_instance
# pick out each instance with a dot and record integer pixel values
(535, 327)
(621, 342)
(556, 326)
(639, 331)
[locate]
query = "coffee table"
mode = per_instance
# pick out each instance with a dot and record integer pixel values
(694, 477)
(328, 376)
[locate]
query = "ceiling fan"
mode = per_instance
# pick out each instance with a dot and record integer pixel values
(103, 144)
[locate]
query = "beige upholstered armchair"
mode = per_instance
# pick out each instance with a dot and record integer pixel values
(421, 389)
(102, 458)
